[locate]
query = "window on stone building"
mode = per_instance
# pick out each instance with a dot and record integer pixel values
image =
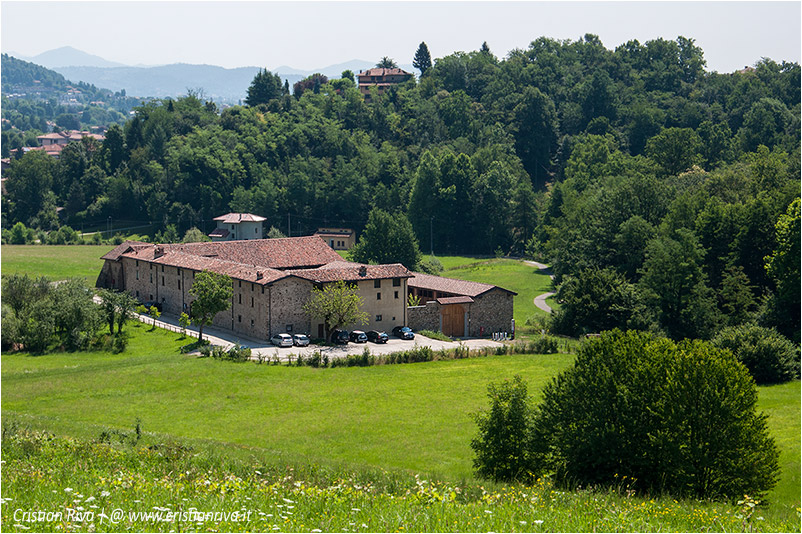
(377, 283)
(137, 274)
(179, 284)
(240, 299)
(251, 302)
(378, 296)
(151, 278)
(396, 294)
(239, 318)
(378, 318)
(396, 282)
(162, 280)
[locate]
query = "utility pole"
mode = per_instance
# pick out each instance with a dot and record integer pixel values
(431, 234)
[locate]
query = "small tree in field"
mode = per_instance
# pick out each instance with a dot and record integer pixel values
(212, 292)
(183, 322)
(337, 305)
(502, 446)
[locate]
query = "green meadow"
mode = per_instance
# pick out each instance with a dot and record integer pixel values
(397, 419)
(54, 261)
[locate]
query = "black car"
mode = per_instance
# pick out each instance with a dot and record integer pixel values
(340, 337)
(358, 336)
(404, 332)
(378, 337)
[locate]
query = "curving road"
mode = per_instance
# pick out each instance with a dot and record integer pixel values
(540, 300)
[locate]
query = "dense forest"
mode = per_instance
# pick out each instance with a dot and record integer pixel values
(644, 179)
(34, 96)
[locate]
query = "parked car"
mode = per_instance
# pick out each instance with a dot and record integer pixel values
(300, 340)
(358, 336)
(378, 337)
(281, 340)
(339, 336)
(404, 332)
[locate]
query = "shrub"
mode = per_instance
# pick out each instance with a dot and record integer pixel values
(502, 448)
(238, 353)
(431, 266)
(434, 335)
(679, 418)
(770, 357)
(543, 345)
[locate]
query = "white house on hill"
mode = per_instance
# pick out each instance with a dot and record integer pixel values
(237, 227)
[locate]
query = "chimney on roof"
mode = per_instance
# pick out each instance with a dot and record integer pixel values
(158, 252)
(363, 271)
(259, 275)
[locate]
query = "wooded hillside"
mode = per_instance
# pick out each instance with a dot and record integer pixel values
(633, 159)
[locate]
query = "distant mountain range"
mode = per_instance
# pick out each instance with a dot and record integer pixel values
(219, 84)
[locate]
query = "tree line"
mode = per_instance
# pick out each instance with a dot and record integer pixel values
(633, 162)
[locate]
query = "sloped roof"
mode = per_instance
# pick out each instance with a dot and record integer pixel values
(115, 253)
(236, 218)
(451, 285)
(219, 232)
(384, 72)
(454, 300)
(280, 253)
(352, 272)
(261, 261)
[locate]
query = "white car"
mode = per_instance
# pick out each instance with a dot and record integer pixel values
(301, 340)
(281, 340)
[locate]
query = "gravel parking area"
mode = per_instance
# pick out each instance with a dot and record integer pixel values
(393, 345)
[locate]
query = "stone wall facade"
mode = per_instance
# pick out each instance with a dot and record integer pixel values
(256, 310)
(425, 317)
(491, 312)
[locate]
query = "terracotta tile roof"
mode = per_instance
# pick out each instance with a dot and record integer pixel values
(281, 253)
(219, 232)
(238, 271)
(352, 272)
(384, 72)
(454, 300)
(115, 253)
(261, 261)
(451, 285)
(235, 218)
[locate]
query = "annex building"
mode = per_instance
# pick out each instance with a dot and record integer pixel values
(273, 278)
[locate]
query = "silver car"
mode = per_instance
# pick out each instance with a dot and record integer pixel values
(281, 340)
(300, 340)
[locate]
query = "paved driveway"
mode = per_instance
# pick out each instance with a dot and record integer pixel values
(227, 339)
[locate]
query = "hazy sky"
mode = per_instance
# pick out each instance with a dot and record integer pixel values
(308, 35)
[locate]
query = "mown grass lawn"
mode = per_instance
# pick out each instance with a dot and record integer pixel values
(54, 261)
(414, 417)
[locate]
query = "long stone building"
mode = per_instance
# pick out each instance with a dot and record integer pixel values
(273, 278)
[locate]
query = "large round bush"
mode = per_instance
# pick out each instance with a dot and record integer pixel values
(675, 417)
(770, 357)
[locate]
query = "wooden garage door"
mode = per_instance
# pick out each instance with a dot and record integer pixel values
(453, 320)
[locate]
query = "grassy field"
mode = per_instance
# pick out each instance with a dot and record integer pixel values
(414, 417)
(143, 486)
(398, 416)
(514, 275)
(54, 261)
